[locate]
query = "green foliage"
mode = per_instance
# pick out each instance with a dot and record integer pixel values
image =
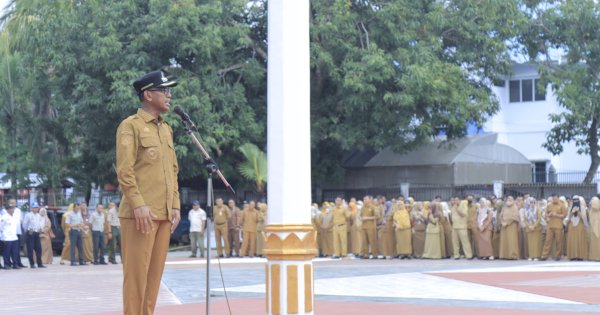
(570, 27)
(396, 73)
(384, 73)
(83, 57)
(255, 166)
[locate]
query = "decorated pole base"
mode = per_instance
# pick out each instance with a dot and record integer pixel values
(289, 270)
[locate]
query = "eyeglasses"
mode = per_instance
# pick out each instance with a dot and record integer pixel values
(164, 91)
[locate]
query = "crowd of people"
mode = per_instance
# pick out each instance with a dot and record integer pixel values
(484, 228)
(238, 233)
(87, 235)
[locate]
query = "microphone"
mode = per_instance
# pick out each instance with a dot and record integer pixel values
(184, 117)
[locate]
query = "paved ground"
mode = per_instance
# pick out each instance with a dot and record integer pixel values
(341, 287)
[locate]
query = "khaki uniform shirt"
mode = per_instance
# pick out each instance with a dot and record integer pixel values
(147, 166)
(556, 222)
(369, 211)
(249, 220)
(221, 214)
(458, 221)
(340, 215)
(234, 218)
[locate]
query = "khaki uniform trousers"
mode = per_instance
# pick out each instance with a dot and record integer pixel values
(221, 234)
(556, 234)
(233, 236)
(369, 238)
(340, 240)
(248, 241)
(460, 237)
(144, 257)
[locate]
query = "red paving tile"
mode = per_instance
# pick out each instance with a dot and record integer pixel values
(257, 306)
(507, 280)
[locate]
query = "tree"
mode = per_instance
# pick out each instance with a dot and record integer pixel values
(396, 73)
(83, 57)
(255, 166)
(570, 27)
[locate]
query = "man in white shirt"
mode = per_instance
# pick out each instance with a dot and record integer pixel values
(12, 203)
(197, 218)
(97, 219)
(9, 223)
(114, 233)
(75, 222)
(32, 225)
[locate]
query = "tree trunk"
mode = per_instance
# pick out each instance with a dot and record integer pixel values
(593, 142)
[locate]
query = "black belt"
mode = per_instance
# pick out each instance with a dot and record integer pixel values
(341, 224)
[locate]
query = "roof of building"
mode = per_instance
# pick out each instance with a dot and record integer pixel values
(471, 149)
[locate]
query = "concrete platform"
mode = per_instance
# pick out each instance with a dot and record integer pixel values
(341, 287)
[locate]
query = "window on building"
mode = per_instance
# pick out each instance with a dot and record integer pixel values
(527, 90)
(540, 94)
(514, 88)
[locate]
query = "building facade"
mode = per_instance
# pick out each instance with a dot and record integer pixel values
(523, 122)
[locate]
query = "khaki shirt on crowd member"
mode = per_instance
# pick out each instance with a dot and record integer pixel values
(234, 218)
(560, 211)
(341, 214)
(369, 211)
(249, 220)
(146, 162)
(221, 214)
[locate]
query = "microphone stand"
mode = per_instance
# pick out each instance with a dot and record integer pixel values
(212, 168)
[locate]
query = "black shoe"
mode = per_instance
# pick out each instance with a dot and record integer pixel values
(16, 267)
(73, 264)
(21, 266)
(103, 263)
(114, 262)
(41, 266)
(32, 266)
(95, 263)
(6, 267)
(543, 259)
(82, 263)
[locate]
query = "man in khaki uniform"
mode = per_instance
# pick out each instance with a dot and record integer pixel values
(233, 228)
(248, 222)
(221, 215)
(369, 217)
(555, 213)
(340, 214)
(472, 223)
(459, 215)
(147, 170)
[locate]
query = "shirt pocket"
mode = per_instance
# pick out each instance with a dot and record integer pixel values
(150, 149)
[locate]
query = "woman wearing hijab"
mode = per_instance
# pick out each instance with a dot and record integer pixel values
(418, 217)
(45, 238)
(356, 225)
(402, 230)
(531, 220)
(447, 228)
(388, 244)
(433, 244)
(484, 229)
(66, 254)
(86, 234)
(577, 239)
(594, 215)
(498, 205)
(509, 233)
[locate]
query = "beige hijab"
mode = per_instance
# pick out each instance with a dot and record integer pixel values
(595, 216)
(510, 212)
